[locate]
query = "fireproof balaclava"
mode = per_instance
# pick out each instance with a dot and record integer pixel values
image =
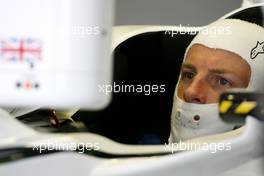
(190, 120)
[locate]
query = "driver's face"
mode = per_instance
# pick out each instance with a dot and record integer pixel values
(207, 72)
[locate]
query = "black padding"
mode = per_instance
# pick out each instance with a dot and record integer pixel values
(149, 58)
(253, 15)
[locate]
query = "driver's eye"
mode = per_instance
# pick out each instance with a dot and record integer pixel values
(223, 82)
(188, 75)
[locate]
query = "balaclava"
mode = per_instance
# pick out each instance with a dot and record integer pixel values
(190, 120)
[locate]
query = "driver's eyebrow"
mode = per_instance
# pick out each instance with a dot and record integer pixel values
(189, 66)
(219, 71)
(211, 70)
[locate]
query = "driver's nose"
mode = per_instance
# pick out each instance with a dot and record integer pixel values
(196, 92)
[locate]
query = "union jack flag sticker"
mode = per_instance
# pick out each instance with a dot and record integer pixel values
(25, 50)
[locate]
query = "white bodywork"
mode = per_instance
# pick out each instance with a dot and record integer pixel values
(245, 157)
(55, 53)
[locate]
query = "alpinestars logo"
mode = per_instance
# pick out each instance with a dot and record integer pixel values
(258, 49)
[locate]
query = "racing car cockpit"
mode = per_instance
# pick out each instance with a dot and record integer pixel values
(152, 56)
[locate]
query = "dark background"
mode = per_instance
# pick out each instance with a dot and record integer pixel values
(135, 118)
